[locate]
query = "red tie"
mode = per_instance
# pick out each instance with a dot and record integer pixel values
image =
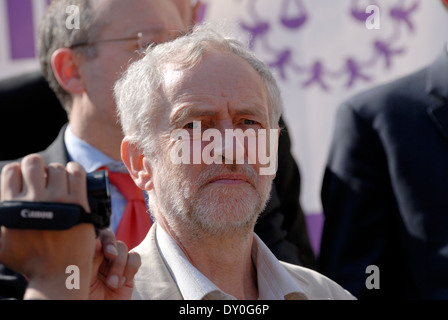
(135, 221)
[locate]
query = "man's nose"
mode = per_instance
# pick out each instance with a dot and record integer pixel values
(232, 150)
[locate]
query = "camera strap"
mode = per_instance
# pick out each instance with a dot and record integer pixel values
(44, 215)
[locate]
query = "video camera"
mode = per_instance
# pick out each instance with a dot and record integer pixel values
(61, 216)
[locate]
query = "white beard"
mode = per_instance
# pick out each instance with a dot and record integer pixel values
(203, 209)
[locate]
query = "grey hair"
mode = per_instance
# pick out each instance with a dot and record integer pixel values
(139, 93)
(54, 34)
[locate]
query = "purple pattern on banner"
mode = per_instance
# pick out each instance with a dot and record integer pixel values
(21, 29)
(297, 20)
(295, 16)
(314, 224)
(402, 14)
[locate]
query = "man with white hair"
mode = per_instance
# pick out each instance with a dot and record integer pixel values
(203, 245)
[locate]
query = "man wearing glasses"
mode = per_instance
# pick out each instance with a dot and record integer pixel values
(81, 66)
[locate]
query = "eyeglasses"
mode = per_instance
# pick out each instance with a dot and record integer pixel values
(142, 45)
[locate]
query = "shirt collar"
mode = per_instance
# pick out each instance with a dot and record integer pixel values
(88, 156)
(274, 282)
(192, 284)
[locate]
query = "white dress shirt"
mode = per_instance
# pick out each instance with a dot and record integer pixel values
(274, 282)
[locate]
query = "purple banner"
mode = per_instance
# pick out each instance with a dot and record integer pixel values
(21, 29)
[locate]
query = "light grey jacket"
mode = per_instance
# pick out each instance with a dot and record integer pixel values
(153, 280)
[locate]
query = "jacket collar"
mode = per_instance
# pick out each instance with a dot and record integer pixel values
(57, 151)
(153, 280)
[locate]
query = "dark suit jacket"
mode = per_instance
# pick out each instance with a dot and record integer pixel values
(28, 105)
(385, 189)
(281, 226)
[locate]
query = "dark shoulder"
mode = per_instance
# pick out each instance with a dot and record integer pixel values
(396, 95)
(55, 152)
(26, 82)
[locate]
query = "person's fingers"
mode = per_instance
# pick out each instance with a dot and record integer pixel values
(108, 243)
(57, 186)
(11, 181)
(32, 180)
(133, 264)
(77, 185)
(33, 175)
(115, 274)
(105, 253)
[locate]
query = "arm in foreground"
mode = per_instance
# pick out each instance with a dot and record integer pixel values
(68, 264)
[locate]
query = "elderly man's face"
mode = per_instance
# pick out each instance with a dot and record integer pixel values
(222, 92)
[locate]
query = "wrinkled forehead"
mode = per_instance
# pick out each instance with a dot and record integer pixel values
(217, 75)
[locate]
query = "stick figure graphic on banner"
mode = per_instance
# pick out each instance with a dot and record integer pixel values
(294, 18)
(401, 14)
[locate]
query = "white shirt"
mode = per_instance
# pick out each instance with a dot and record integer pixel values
(274, 282)
(92, 159)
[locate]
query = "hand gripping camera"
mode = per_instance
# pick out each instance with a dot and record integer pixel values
(61, 216)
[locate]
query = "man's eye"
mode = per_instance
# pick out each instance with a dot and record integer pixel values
(249, 122)
(192, 125)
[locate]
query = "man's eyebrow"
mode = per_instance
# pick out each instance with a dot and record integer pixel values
(257, 111)
(182, 115)
(189, 113)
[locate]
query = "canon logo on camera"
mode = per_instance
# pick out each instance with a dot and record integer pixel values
(34, 214)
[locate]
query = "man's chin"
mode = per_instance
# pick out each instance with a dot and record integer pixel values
(232, 206)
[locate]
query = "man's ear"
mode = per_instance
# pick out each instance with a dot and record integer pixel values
(65, 64)
(135, 162)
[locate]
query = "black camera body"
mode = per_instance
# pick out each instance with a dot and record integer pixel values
(98, 194)
(61, 216)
